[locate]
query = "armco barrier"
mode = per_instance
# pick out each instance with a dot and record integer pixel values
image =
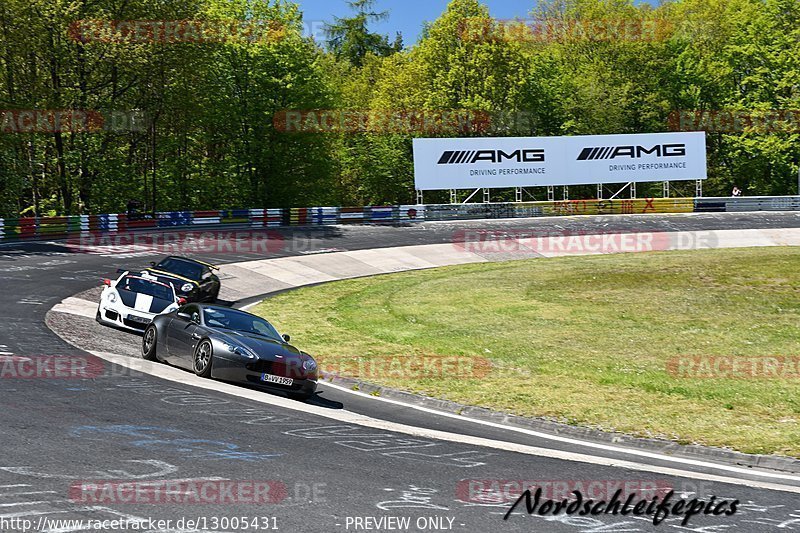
(351, 215)
(30, 228)
(748, 203)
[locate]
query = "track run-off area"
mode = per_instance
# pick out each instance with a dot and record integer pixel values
(344, 456)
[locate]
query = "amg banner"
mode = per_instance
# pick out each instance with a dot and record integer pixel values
(470, 163)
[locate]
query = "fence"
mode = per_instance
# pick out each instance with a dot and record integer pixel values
(44, 228)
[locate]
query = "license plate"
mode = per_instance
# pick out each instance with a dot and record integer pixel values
(269, 378)
(139, 319)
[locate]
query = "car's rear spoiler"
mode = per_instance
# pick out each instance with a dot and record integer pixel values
(209, 265)
(165, 274)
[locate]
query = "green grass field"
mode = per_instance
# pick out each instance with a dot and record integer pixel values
(583, 340)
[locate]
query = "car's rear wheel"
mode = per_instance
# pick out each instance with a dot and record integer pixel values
(149, 341)
(202, 359)
(214, 296)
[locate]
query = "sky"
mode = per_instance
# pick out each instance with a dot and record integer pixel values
(407, 16)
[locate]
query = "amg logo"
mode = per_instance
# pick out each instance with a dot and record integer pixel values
(458, 157)
(612, 152)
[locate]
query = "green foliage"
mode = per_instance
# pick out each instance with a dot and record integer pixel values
(206, 111)
(350, 40)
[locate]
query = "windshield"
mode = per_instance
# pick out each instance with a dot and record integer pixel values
(142, 286)
(180, 267)
(238, 321)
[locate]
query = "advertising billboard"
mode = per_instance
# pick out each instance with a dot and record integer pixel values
(476, 162)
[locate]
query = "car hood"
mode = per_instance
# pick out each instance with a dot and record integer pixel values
(277, 358)
(143, 302)
(264, 347)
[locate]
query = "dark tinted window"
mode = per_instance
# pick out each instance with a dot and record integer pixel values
(181, 267)
(239, 321)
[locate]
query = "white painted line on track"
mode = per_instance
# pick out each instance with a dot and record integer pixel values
(569, 440)
(20, 504)
(341, 415)
(29, 493)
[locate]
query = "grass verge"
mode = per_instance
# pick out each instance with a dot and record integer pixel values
(582, 340)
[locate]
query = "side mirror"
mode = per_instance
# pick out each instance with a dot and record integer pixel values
(184, 315)
(107, 282)
(286, 337)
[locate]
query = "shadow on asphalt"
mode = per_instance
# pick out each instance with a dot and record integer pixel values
(319, 401)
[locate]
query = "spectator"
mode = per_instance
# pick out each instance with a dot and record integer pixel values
(133, 210)
(736, 191)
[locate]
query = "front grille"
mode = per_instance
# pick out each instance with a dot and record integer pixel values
(135, 325)
(260, 366)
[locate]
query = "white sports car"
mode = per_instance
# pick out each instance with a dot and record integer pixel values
(131, 301)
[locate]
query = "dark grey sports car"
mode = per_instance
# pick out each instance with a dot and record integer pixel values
(230, 345)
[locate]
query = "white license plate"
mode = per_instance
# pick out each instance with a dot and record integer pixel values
(269, 378)
(139, 319)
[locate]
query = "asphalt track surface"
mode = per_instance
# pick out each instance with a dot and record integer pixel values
(325, 474)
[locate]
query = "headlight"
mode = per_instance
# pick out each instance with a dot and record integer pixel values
(309, 365)
(187, 287)
(239, 350)
(112, 297)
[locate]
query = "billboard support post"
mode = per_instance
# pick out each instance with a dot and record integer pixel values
(633, 189)
(453, 196)
(420, 201)
(699, 189)
(551, 195)
(518, 195)
(666, 189)
(486, 196)
(599, 191)
(566, 192)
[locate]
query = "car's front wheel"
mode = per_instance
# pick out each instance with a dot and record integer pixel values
(149, 341)
(202, 359)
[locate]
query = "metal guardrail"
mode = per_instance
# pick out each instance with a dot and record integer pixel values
(42, 228)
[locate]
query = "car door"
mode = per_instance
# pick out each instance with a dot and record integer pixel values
(182, 335)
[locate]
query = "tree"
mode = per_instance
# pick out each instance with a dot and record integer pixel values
(349, 38)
